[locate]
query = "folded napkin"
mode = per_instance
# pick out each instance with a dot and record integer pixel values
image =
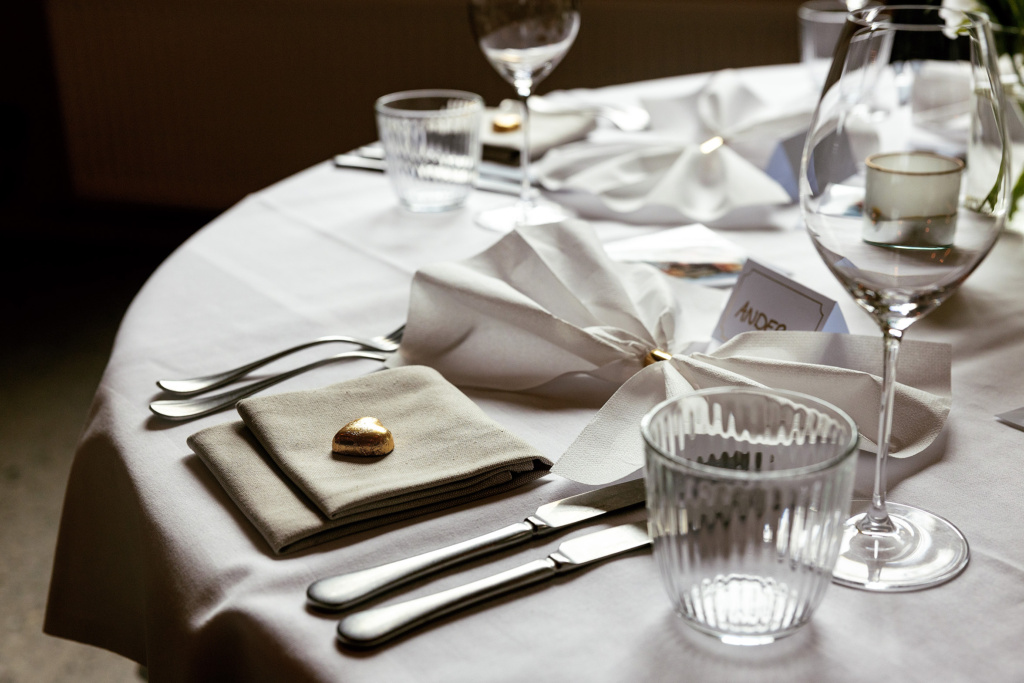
(546, 131)
(703, 156)
(842, 369)
(542, 302)
(278, 467)
(547, 301)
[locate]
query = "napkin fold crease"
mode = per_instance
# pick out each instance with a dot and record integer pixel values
(538, 304)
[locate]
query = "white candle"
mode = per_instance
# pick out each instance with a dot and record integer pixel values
(911, 199)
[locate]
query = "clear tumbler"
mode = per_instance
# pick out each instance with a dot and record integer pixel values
(432, 148)
(747, 493)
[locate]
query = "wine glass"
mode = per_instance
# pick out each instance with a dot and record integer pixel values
(524, 40)
(904, 187)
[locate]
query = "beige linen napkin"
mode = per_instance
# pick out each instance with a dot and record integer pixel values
(278, 466)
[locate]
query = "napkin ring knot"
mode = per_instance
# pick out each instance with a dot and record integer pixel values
(655, 355)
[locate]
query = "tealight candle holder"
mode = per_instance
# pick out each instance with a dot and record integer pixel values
(911, 199)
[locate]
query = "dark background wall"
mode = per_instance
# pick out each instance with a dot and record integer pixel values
(127, 125)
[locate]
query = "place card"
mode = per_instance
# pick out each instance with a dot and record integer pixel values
(764, 299)
(1014, 418)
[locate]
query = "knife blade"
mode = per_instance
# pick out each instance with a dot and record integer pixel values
(377, 625)
(345, 590)
(487, 183)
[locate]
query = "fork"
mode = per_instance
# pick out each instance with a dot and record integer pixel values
(196, 385)
(197, 406)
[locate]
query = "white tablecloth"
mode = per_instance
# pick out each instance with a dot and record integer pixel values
(154, 561)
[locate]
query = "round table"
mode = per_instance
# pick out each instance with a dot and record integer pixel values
(156, 563)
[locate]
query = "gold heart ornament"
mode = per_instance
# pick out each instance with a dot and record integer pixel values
(365, 437)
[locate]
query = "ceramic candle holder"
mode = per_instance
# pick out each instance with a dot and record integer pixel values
(911, 199)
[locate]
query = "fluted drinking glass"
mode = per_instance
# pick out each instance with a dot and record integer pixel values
(747, 493)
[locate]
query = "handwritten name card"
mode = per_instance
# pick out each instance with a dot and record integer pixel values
(764, 299)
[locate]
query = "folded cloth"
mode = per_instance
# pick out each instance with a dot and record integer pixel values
(278, 467)
(542, 302)
(546, 131)
(547, 301)
(703, 156)
(842, 369)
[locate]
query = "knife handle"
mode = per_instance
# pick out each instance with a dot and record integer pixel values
(346, 590)
(374, 626)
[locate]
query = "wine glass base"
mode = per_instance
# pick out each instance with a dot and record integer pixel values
(506, 218)
(924, 551)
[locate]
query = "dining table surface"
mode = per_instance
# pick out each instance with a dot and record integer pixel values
(155, 562)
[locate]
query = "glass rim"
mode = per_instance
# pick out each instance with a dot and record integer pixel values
(848, 450)
(955, 165)
(868, 18)
(828, 11)
(383, 105)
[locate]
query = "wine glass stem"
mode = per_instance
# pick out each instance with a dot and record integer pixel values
(877, 518)
(525, 187)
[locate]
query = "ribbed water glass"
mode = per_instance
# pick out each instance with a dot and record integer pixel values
(432, 148)
(747, 493)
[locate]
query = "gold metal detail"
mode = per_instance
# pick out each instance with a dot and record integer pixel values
(655, 355)
(506, 122)
(365, 437)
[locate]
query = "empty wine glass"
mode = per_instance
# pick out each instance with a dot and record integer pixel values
(904, 189)
(524, 40)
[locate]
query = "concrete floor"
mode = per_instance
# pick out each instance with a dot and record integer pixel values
(62, 307)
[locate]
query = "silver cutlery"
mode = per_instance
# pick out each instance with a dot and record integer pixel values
(375, 626)
(197, 406)
(489, 169)
(483, 182)
(186, 387)
(346, 590)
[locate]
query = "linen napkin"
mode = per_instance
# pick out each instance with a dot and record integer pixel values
(542, 302)
(278, 467)
(546, 301)
(546, 131)
(842, 369)
(703, 156)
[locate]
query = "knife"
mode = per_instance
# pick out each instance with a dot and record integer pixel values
(491, 169)
(346, 590)
(487, 183)
(374, 626)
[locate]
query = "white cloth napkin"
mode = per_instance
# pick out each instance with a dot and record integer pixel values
(542, 302)
(703, 156)
(841, 369)
(547, 301)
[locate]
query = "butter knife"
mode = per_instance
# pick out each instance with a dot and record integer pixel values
(345, 590)
(374, 626)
